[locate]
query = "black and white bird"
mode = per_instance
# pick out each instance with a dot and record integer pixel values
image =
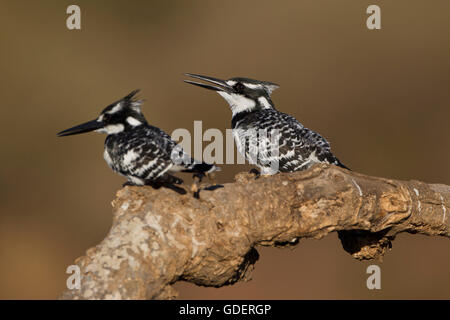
(268, 138)
(144, 154)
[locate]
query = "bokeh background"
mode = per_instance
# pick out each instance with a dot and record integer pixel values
(380, 97)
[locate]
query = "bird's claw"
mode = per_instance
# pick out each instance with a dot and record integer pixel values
(256, 172)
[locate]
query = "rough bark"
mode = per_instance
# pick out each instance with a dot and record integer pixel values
(159, 237)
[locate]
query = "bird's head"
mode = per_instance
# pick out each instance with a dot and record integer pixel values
(124, 114)
(242, 94)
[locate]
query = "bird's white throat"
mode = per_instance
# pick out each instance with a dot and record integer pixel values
(237, 102)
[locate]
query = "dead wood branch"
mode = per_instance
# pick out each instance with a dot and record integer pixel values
(159, 237)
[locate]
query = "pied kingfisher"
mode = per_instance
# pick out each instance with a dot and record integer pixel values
(268, 138)
(144, 154)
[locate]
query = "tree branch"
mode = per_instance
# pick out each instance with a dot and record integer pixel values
(159, 237)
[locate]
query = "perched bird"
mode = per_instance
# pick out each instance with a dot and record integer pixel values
(268, 138)
(144, 154)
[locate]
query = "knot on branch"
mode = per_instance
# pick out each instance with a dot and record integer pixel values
(366, 245)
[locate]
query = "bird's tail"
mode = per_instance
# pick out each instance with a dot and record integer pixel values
(186, 163)
(336, 162)
(202, 167)
(331, 159)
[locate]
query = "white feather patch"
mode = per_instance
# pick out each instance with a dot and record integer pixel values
(237, 102)
(116, 108)
(252, 85)
(129, 157)
(264, 102)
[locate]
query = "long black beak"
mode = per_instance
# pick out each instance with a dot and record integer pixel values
(221, 84)
(82, 128)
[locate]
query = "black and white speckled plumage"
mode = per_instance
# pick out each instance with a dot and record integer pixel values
(268, 138)
(147, 154)
(298, 147)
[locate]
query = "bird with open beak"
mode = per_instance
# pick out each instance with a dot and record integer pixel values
(272, 140)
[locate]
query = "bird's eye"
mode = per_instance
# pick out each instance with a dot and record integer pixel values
(238, 87)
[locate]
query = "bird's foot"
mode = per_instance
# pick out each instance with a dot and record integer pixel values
(199, 176)
(196, 185)
(197, 180)
(256, 172)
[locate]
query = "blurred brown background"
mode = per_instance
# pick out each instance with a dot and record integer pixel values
(381, 98)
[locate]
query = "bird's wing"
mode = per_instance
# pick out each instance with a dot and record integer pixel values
(309, 146)
(298, 147)
(145, 154)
